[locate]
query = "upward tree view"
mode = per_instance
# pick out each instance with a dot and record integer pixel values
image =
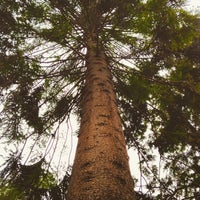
(128, 73)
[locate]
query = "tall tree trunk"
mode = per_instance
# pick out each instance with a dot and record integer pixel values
(101, 170)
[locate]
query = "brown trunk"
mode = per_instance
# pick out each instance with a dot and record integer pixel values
(101, 170)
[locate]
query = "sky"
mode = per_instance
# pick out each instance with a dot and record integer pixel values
(193, 5)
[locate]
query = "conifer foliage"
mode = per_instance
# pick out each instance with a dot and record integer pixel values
(150, 52)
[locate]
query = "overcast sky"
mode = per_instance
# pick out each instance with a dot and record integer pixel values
(194, 5)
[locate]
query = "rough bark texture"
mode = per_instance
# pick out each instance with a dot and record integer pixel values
(101, 170)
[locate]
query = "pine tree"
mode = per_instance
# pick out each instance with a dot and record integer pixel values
(123, 67)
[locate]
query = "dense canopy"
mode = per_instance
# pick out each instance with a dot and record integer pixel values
(152, 48)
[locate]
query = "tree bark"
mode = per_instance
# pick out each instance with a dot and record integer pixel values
(101, 170)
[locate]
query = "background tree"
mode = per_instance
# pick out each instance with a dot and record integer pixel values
(152, 50)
